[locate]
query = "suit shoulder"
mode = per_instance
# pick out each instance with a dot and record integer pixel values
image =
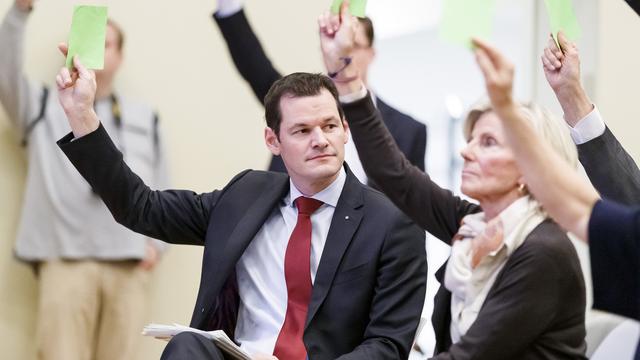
(395, 116)
(256, 178)
(375, 199)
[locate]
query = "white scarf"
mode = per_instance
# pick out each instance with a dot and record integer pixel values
(500, 237)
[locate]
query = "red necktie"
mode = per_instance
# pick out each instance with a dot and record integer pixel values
(297, 273)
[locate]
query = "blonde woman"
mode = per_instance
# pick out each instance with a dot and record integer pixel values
(513, 287)
(612, 230)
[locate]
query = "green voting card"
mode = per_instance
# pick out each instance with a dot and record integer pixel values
(87, 36)
(356, 7)
(463, 19)
(562, 17)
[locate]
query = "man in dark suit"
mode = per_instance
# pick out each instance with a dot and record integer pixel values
(256, 68)
(346, 279)
(612, 172)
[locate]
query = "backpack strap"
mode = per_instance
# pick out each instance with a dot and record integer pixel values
(156, 137)
(34, 122)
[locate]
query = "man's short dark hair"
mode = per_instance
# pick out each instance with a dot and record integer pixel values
(367, 26)
(119, 31)
(296, 85)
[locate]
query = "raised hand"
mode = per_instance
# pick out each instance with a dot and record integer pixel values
(337, 36)
(561, 66)
(498, 74)
(76, 93)
(562, 70)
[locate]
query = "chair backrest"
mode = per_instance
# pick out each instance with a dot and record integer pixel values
(620, 343)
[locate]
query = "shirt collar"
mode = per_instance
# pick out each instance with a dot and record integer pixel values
(328, 195)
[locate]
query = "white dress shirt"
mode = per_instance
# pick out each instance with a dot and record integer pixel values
(260, 270)
(588, 128)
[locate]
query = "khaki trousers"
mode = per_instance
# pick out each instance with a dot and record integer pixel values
(91, 310)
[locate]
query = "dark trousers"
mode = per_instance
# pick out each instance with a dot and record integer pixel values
(191, 346)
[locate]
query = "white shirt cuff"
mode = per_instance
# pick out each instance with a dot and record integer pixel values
(227, 8)
(588, 128)
(353, 97)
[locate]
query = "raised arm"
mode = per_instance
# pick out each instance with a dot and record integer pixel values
(246, 51)
(435, 209)
(609, 167)
(172, 216)
(19, 98)
(564, 194)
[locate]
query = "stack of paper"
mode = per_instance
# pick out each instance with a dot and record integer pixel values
(219, 337)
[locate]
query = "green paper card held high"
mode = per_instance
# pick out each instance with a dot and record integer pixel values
(562, 17)
(356, 7)
(464, 19)
(87, 36)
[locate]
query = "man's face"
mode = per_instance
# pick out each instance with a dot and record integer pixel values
(112, 56)
(311, 140)
(363, 54)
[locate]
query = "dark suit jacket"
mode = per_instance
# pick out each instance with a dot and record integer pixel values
(614, 236)
(635, 5)
(256, 68)
(369, 289)
(610, 168)
(536, 307)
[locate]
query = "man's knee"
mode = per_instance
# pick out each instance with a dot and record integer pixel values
(188, 345)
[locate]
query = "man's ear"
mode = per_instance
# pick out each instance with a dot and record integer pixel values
(347, 132)
(271, 139)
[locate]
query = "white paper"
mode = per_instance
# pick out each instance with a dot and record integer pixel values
(219, 337)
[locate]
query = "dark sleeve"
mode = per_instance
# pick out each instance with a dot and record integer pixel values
(614, 248)
(247, 53)
(399, 295)
(419, 148)
(435, 209)
(173, 216)
(523, 304)
(610, 168)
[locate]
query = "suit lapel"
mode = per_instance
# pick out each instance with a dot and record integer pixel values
(344, 224)
(254, 218)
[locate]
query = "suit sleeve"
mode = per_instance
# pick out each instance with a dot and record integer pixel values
(435, 209)
(614, 248)
(174, 216)
(419, 148)
(610, 168)
(247, 53)
(399, 295)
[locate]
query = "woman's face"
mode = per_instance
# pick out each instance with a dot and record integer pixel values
(489, 173)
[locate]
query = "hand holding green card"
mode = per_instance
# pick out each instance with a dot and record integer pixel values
(87, 36)
(356, 7)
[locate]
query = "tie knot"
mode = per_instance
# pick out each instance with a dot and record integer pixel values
(307, 206)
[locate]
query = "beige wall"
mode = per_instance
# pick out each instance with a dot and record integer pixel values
(618, 74)
(175, 59)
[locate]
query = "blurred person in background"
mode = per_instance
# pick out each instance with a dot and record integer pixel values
(93, 274)
(255, 67)
(512, 287)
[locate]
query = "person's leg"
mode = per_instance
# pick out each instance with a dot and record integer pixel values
(125, 301)
(191, 346)
(67, 311)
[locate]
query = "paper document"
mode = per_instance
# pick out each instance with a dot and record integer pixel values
(219, 337)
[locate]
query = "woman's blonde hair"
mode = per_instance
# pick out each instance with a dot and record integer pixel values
(549, 127)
